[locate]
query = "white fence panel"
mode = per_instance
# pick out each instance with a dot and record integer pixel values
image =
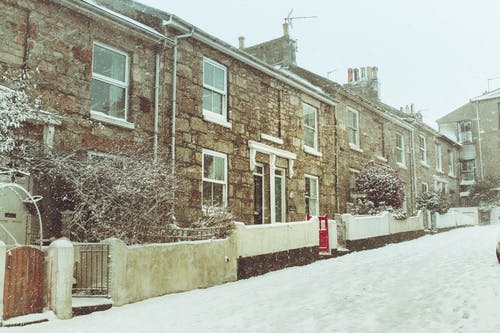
(361, 227)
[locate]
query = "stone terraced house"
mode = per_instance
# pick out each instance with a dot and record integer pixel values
(267, 139)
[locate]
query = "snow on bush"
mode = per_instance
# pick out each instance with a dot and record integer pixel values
(433, 202)
(15, 108)
(485, 194)
(381, 184)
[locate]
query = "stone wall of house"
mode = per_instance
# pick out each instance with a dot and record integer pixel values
(257, 104)
(55, 46)
(377, 142)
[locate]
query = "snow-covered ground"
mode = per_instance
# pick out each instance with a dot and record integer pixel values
(449, 282)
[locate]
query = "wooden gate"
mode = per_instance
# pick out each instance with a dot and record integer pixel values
(324, 243)
(23, 289)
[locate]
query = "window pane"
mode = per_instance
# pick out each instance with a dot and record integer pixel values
(207, 194)
(352, 119)
(309, 116)
(107, 98)
(309, 137)
(217, 103)
(218, 168)
(278, 199)
(352, 136)
(109, 63)
(314, 188)
(313, 207)
(207, 100)
(208, 74)
(219, 79)
(218, 195)
(308, 186)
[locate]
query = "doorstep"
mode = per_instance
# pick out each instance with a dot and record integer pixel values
(87, 305)
(29, 319)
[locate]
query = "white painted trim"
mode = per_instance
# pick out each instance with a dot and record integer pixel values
(223, 92)
(355, 148)
(283, 196)
(271, 151)
(317, 189)
(315, 139)
(263, 176)
(108, 80)
(312, 151)
(356, 112)
(224, 182)
(271, 138)
(402, 166)
(381, 158)
(425, 165)
(402, 149)
(216, 119)
(102, 117)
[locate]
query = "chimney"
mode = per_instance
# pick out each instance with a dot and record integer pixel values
(241, 40)
(363, 81)
(349, 75)
(285, 29)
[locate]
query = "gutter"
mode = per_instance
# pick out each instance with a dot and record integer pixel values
(180, 25)
(99, 12)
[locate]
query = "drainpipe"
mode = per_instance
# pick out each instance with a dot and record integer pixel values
(157, 93)
(174, 94)
(479, 140)
(414, 167)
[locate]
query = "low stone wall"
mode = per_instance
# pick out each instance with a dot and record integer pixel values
(366, 226)
(374, 242)
(264, 263)
(139, 272)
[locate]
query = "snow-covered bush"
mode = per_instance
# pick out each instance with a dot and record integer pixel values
(432, 201)
(15, 109)
(485, 194)
(218, 218)
(381, 184)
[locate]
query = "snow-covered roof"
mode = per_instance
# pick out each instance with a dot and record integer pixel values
(488, 95)
(127, 20)
(299, 79)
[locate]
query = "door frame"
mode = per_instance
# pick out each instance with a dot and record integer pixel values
(263, 186)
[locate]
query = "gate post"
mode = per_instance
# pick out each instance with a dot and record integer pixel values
(3, 252)
(61, 260)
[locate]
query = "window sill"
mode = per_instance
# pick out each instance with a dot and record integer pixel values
(355, 148)
(452, 176)
(424, 164)
(271, 138)
(312, 151)
(440, 171)
(401, 166)
(104, 118)
(381, 158)
(216, 119)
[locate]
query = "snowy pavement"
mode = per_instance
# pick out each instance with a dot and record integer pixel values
(448, 282)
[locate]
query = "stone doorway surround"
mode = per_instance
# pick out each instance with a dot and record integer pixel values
(273, 153)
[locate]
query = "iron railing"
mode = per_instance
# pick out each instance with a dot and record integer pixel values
(91, 270)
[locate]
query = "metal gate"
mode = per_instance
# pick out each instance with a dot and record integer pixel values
(324, 243)
(91, 270)
(23, 288)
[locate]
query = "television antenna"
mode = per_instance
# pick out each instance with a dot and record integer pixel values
(289, 19)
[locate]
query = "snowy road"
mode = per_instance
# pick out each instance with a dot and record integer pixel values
(449, 282)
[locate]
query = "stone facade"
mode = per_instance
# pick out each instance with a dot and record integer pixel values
(476, 125)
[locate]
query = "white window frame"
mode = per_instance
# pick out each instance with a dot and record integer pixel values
(101, 116)
(451, 163)
(354, 145)
(423, 150)
(472, 171)
(316, 192)
(209, 115)
(282, 176)
(400, 150)
(464, 136)
(439, 157)
(203, 179)
(315, 128)
(263, 175)
(352, 172)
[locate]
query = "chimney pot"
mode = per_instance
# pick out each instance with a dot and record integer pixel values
(349, 75)
(241, 40)
(356, 74)
(375, 71)
(285, 29)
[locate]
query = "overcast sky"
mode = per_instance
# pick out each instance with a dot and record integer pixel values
(436, 54)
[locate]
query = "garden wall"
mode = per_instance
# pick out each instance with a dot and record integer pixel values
(269, 247)
(368, 232)
(457, 217)
(143, 271)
